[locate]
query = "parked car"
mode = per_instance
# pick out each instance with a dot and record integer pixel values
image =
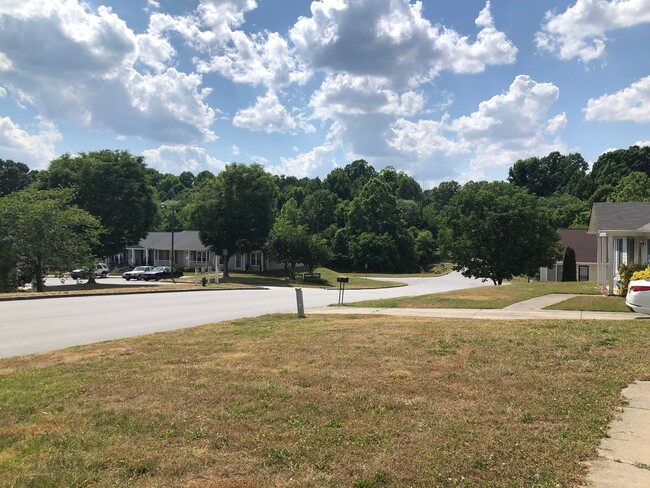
(638, 296)
(101, 271)
(161, 272)
(136, 273)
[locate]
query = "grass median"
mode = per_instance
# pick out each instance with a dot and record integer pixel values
(492, 297)
(324, 401)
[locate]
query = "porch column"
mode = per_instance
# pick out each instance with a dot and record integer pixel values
(599, 257)
(610, 264)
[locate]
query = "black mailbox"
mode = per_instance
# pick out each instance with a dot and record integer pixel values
(342, 279)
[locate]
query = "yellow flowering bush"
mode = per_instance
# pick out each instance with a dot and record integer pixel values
(641, 275)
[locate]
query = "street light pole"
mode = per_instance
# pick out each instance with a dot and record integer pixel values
(173, 254)
(172, 208)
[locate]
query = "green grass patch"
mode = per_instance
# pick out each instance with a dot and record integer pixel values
(328, 279)
(324, 401)
(439, 269)
(592, 304)
(492, 297)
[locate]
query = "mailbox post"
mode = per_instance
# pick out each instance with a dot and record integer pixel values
(342, 281)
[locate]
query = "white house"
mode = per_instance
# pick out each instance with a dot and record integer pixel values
(623, 233)
(189, 251)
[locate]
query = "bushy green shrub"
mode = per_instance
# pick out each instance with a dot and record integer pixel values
(626, 271)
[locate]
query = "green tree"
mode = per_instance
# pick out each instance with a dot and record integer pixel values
(553, 173)
(569, 265)
(496, 231)
(187, 178)
(14, 176)
(567, 210)
(235, 210)
(316, 253)
(359, 172)
(115, 187)
(318, 210)
(425, 248)
(338, 182)
(634, 187)
(377, 232)
(614, 165)
(45, 232)
(288, 241)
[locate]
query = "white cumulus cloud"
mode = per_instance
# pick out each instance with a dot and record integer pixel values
(35, 148)
(176, 159)
(79, 65)
(269, 115)
(510, 126)
(392, 40)
(581, 31)
(629, 104)
(353, 95)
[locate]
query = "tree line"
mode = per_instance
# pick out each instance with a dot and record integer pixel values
(355, 218)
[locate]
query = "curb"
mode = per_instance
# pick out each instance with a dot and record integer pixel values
(108, 293)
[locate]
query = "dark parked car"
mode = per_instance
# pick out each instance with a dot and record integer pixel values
(161, 272)
(136, 273)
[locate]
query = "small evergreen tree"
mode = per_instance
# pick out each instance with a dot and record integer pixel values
(569, 267)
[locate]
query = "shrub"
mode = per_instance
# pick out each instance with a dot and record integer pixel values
(641, 275)
(626, 271)
(569, 265)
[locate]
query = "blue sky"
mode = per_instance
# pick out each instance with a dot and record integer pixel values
(439, 88)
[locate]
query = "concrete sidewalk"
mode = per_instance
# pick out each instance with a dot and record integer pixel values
(624, 456)
(483, 314)
(532, 309)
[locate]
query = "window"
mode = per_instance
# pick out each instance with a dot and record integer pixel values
(201, 256)
(618, 260)
(256, 258)
(630, 250)
(238, 261)
(583, 273)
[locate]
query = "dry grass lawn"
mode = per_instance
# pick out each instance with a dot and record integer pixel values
(324, 401)
(592, 304)
(492, 297)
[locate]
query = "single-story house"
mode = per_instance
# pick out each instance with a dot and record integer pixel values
(585, 245)
(189, 251)
(623, 233)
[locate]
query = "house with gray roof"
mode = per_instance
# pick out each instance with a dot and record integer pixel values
(190, 252)
(623, 233)
(585, 246)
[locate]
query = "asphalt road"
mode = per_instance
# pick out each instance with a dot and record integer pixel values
(32, 326)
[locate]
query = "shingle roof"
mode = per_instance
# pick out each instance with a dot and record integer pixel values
(585, 245)
(624, 216)
(183, 240)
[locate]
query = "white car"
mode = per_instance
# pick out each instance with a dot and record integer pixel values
(101, 271)
(136, 273)
(638, 296)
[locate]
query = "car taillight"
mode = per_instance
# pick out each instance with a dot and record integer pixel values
(637, 288)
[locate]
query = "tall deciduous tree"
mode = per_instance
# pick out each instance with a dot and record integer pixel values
(496, 231)
(115, 187)
(634, 187)
(235, 210)
(550, 174)
(378, 234)
(14, 176)
(45, 232)
(613, 165)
